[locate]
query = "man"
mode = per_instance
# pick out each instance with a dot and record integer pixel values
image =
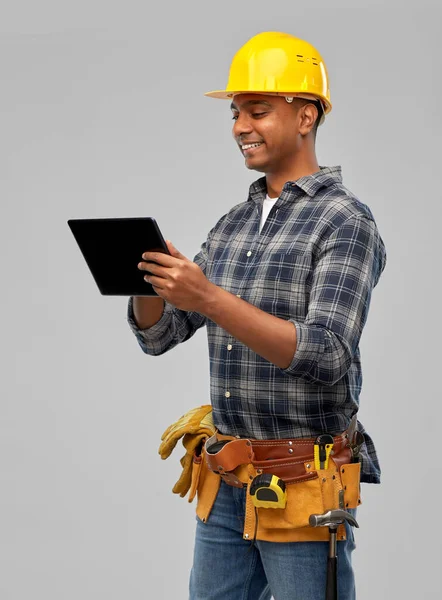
(283, 284)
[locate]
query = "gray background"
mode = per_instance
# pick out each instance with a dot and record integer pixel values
(103, 115)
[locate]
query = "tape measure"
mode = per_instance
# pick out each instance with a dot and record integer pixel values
(268, 491)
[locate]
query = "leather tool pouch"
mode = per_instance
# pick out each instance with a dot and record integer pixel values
(196, 472)
(204, 484)
(325, 489)
(350, 477)
(304, 498)
(315, 492)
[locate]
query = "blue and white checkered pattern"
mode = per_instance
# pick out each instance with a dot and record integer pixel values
(315, 263)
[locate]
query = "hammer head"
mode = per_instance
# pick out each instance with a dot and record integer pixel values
(332, 518)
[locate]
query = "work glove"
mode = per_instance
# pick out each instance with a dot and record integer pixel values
(194, 426)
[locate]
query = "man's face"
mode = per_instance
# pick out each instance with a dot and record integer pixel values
(272, 123)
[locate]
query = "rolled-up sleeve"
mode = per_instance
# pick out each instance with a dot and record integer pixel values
(175, 325)
(347, 269)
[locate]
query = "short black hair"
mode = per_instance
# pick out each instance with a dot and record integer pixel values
(320, 109)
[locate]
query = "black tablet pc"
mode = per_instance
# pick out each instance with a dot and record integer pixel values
(113, 248)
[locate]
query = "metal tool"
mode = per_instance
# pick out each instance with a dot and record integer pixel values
(216, 446)
(355, 446)
(332, 519)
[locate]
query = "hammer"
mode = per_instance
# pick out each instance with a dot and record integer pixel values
(332, 519)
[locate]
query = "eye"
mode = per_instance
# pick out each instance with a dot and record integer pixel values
(258, 114)
(234, 117)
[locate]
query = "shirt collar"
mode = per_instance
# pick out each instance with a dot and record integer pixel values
(310, 184)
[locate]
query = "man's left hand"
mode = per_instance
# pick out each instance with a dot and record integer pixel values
(177, 279)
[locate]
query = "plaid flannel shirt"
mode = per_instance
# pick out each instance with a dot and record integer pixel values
(315, 263)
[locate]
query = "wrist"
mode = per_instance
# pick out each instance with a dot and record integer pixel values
(210, 299)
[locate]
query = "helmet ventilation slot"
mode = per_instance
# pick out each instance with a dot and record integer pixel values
(301, 58)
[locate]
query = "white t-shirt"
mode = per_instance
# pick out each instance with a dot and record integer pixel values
(266, 208)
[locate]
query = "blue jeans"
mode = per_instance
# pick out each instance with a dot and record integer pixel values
(226, 567)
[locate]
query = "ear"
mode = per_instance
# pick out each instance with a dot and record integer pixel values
(308, 116)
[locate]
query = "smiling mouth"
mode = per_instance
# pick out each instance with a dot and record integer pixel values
(247, 148)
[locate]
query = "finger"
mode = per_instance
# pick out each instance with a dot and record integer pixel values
(156, 282)
(160, 258)
(152, 268)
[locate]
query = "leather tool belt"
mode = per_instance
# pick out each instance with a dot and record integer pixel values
(290, 459)
(310, 490)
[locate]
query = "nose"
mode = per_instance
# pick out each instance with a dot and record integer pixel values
(241, 126)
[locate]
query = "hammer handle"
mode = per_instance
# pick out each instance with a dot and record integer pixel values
(332, 580)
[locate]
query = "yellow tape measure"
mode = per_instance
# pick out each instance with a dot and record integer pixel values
(268, 491)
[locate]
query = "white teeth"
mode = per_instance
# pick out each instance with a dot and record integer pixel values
(247, 146)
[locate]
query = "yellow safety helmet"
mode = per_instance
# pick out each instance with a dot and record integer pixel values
(278, 64)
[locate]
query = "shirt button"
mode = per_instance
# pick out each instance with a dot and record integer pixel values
(249, 253)
(238, 295)
(229, 347)
(227, 394)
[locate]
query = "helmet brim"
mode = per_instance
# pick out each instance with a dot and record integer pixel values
(222, 94)
(228, 95)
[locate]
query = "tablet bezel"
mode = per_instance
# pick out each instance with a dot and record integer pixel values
(82, 231)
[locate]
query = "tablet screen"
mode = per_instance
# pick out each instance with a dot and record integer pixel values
(113, 248)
